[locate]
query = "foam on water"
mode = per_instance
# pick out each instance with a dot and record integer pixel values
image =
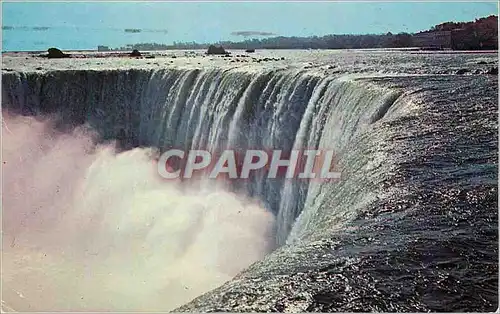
(385, 132)
(86, 228)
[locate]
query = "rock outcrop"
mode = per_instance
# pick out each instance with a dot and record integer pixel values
(214, 50)
(54, 53)
(135, 53)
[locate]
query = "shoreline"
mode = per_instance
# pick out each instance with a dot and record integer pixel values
(84, 53)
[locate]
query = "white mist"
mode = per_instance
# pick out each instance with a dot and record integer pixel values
(87, 229)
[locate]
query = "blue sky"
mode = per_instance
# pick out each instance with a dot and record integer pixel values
(85, 24)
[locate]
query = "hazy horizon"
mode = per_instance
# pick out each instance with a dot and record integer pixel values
(80, 25)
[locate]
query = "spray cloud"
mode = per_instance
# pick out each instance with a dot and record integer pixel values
(87, 228)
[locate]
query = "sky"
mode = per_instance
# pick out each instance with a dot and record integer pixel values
(84, 25)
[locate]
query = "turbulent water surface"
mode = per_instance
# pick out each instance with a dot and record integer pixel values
(411, 225)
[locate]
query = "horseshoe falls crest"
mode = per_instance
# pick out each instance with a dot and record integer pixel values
(410, 226)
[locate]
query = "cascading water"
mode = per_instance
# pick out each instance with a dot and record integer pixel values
(213, 109)
(338, 245)
(87, 228)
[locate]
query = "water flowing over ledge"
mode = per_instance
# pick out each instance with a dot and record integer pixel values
(417, 177)
(213, 109)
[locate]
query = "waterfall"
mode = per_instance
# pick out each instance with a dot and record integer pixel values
(217, 109)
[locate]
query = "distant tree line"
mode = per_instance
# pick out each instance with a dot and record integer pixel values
(324, 42)
(479, 34)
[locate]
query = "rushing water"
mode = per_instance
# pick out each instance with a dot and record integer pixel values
(412, 224)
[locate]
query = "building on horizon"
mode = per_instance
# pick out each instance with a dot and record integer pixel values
(433, 39)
